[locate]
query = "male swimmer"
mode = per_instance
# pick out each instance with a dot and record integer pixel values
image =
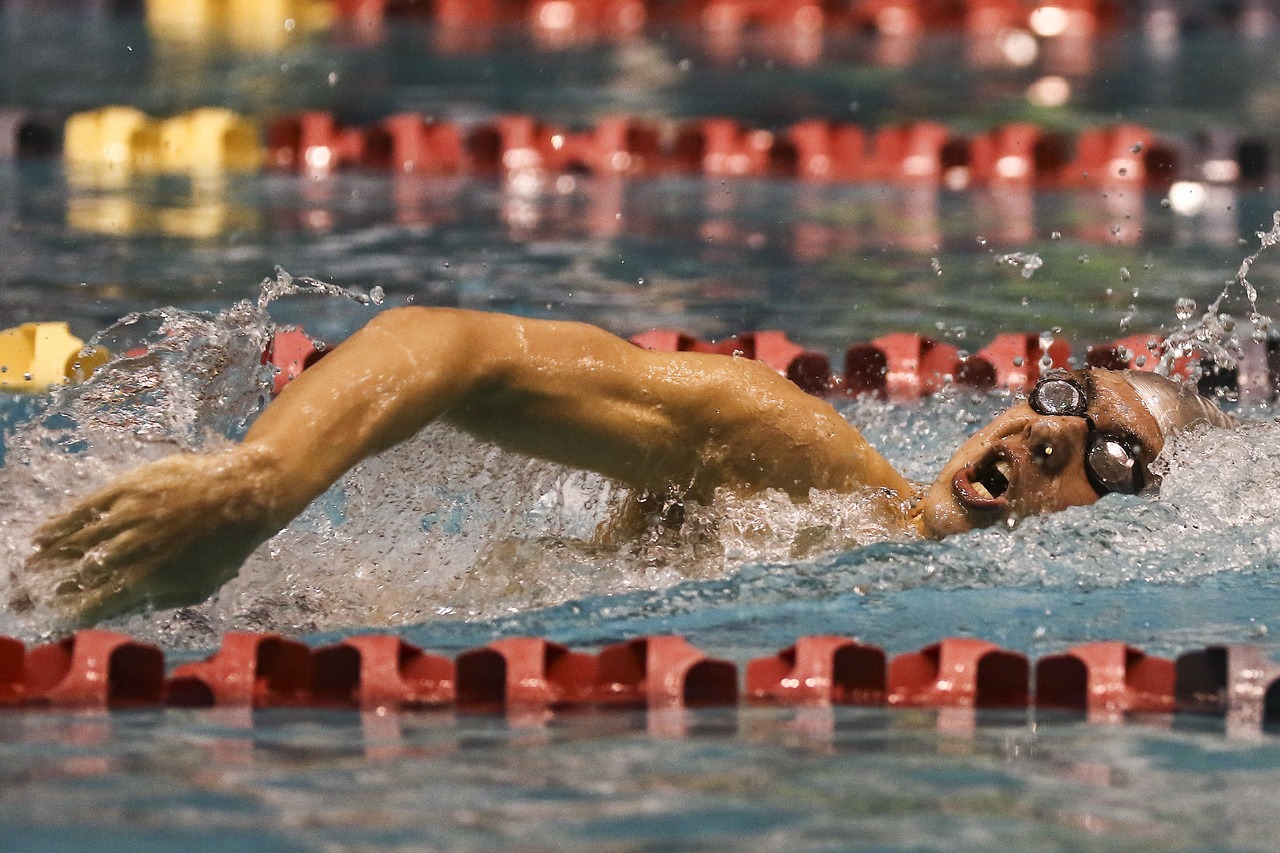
(672, 425)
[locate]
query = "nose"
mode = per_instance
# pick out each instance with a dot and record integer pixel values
(1054, 442)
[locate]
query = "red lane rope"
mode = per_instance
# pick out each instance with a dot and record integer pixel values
(905, 365)
(562, 20)
(1104, 680)
(919, 153)
(815, 150)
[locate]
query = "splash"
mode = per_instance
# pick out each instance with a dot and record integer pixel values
(446, 526)
(441, 525)
(1214, 335)
(285, 284)
(1028, 262)
(177, 381)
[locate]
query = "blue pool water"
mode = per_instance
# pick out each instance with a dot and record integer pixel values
(452, 544)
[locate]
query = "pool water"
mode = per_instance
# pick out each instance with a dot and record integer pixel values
(453, 544)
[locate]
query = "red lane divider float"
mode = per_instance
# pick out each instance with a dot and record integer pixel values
(254, 670)
(960, 672)
(565, 19)
(902, 366)
(291, 351)
(96, 669)
(1106, 680)
(897, 366)
(654, 672)
(925, 152)
(837, 670)
(317, 143)
(371, 671)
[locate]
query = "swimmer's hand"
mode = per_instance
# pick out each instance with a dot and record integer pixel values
(164, 535)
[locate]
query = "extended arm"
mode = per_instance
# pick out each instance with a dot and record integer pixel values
(567, 392)
(685, 423)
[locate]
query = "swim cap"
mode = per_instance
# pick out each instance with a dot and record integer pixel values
(1175, 406)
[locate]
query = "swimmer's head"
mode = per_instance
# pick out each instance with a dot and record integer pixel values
(1080, 435)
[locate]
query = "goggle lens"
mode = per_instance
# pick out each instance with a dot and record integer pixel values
(1060, 397)
(1111, 463)
(1113, 466)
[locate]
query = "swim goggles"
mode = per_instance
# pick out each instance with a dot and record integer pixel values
(1110, 461)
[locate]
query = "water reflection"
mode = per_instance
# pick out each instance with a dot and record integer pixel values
(809, 222)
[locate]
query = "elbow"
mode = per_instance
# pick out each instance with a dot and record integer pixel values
(436, 341)
(409, 321)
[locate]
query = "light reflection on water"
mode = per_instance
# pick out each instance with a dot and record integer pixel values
(828, 265)
(757, 778)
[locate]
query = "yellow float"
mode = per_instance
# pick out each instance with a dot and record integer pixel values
(37, 356)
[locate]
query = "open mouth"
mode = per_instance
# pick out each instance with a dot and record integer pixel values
(983, 485)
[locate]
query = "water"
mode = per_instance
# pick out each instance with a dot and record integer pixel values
(452, 544)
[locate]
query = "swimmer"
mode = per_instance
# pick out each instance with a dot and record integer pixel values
(671, 426)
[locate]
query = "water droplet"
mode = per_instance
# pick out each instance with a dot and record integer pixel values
(377, 295)
(1185, 308)
(1125, 275)
(1137, 148)
(1029, 261)
(982, 241)
(1055, 235)
(935, 266)
(1084, 259)
(1164, 202)
(26, 376)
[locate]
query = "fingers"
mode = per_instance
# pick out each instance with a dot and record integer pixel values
(77, 518)
(80, 542)
(89, 510)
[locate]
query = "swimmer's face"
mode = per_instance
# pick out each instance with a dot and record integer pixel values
(1027, 463)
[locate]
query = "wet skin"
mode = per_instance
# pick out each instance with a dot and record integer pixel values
(1038, 460)
(680, 425)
